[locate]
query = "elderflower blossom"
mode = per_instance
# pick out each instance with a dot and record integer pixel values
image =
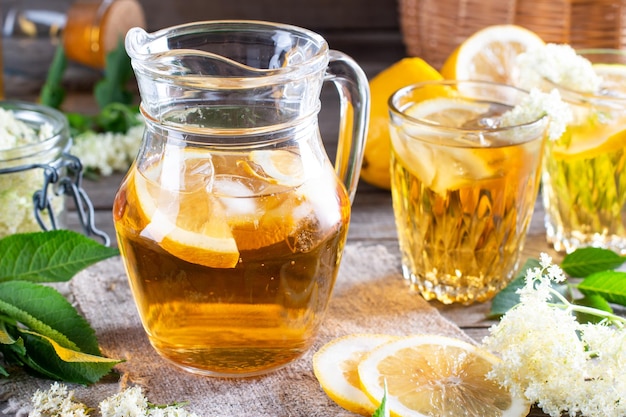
(108, 151)
(17, 188)
(537, 104)
(58, 402)
(552, 360)
(14, 132)
(560, 64)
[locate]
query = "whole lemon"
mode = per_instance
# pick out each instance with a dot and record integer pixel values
(376, 158)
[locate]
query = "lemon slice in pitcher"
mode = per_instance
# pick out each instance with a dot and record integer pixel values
(279, 166)
(429, 375)
(189, 224)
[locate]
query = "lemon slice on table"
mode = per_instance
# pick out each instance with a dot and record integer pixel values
(448, 168)
(430, 375)
(375, 168)
(335, 367)
(490, 54)
(188, 223)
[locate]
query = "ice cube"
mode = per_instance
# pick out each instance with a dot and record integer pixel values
(235, 194)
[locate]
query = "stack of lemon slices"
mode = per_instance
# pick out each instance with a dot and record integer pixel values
(487, 55)
(421, 376)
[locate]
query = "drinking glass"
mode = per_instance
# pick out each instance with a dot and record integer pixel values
(584, 177)
(463, 187)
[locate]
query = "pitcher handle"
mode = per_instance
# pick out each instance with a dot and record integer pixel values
(354, 96)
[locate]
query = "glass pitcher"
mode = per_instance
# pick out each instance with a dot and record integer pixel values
(232, 220)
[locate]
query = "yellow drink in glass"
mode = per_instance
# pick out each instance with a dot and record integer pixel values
(584, 180)
(463, 188)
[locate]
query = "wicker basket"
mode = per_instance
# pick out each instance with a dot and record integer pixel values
(432, 29)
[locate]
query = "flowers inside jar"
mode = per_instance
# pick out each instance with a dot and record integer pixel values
(33, 139)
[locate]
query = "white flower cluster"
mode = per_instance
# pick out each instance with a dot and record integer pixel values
(108, 152)
(17, 189)
(16, 200)
(15, 133)
(537, 104)
(552, 360)
(56, 401)
(560, 64)
(59, 402)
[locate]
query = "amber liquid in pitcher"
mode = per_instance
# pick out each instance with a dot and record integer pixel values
(232, 260)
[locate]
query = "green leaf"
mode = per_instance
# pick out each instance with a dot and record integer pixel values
(508, 297)
(118, 71)
(586, 261)
(52, 93)
(44, 310)
(43, 359)
(10, 335)
(594, 301)
(80, 123)
(117, 118)
(611, 285)
(52, 256)
(72, 355)
(382, 410)
(5, 337)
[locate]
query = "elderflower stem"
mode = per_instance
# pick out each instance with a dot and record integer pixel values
(566, 305)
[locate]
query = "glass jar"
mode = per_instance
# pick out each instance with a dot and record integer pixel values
(35, 178)
(87, 29)
(94, 28)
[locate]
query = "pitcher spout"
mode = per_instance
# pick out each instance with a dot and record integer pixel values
(218, 62)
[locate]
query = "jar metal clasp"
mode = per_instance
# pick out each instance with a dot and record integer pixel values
(64, 176)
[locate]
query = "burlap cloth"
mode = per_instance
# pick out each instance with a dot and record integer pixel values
(370, 296)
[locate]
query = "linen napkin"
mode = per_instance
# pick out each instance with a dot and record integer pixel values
(370, 296)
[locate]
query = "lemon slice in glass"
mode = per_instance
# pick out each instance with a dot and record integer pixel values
(453, 165)
(598, 135)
